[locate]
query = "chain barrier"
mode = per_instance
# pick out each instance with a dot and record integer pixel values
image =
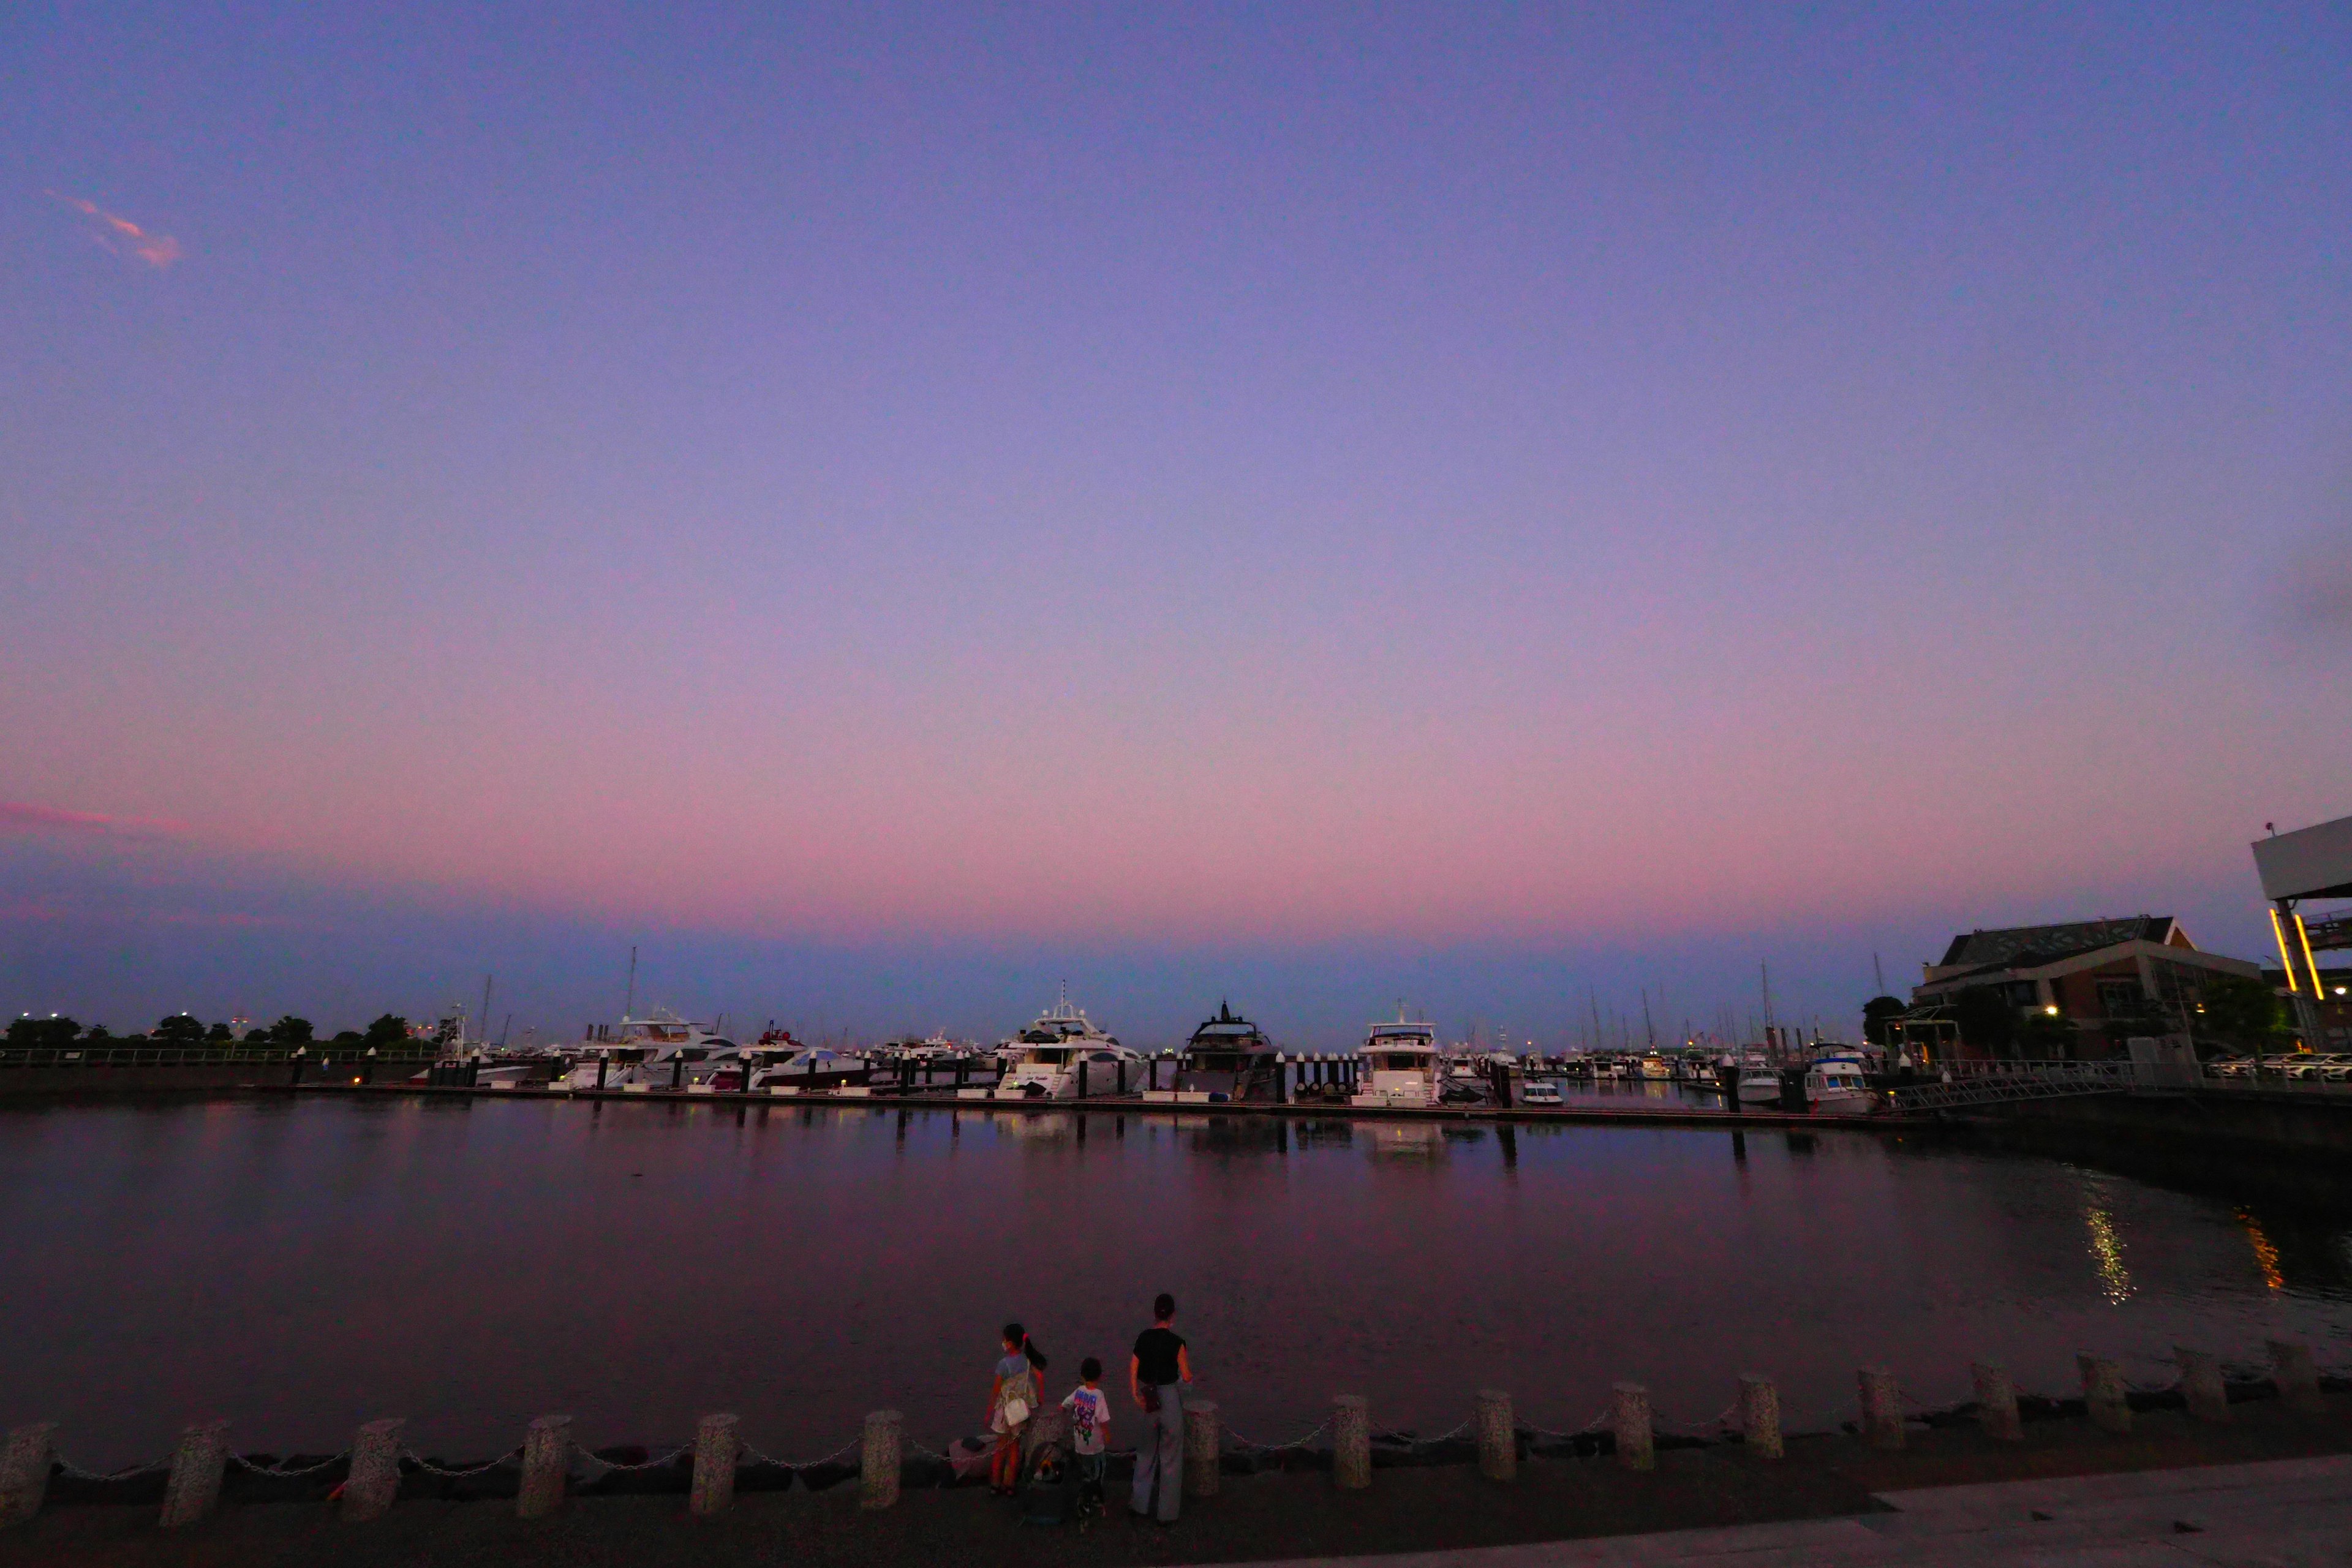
(810, 1464)
(77, 1473)
(1241, 1441)
(1595, 1425)
(430, 1468)
(242, 1463)
(654, 1464)
(1719, 1422)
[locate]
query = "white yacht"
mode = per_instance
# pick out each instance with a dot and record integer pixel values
(1835, 1087)
(661, 1050)
(1061, 1051)
(810, 1068)
(1400, 1066)
(1759, 1080)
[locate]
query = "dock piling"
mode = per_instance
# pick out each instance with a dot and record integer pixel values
(374, 1484)
(2201, 1383)
(546, 1463)
(25, 1471)
(2103, 1394)
(2297, 1377)
(715, 1448)
(1202, 1432)
(879, 1459)
(193, 1490)
(1997, 1403)
(1629, 1416)
(1760, 1415)
(1498, 1436)
(1882, 1407)
(1352, 1442)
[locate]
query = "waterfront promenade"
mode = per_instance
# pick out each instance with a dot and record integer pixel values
(2269, 1486)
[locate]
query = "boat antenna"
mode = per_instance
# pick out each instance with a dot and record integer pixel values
(629, 1004)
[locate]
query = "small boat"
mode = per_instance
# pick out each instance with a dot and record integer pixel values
(1835, 1087)
(1759, 1080)
(1539, 1092)
(1063, 1052)
(1655, 1067)
(1229, 1058)
(1400, 1066)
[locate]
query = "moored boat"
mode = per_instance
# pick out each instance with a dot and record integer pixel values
(1063, 1053)
(1400, 1066)
(1229, 1058)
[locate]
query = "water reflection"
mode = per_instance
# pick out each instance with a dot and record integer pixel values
(283, 1262)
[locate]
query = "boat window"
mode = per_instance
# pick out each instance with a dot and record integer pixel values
(1050, 1059)
(1400, 1063)
(692, 1054)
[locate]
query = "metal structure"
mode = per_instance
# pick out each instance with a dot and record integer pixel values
(2308, 863)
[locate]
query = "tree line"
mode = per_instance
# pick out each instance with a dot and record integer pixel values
(183, 1029)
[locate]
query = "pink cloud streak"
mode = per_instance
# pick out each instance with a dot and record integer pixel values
(26, 816)
(157, 250)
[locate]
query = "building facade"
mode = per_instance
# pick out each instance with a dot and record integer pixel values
(2102, 981)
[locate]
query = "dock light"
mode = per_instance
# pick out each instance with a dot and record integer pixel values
(2051, 1009)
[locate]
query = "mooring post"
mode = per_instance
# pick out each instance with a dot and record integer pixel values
(1083, 1066)
(1203, 1435)
(878, 1461)
(374, 1484)
(1629, 1417)
(1997, 1403)
(1351, 1441)
(2297, 1377)
(715, 1451)
(1498, 1436)
(1760, 1415)
(193, 1490)
(604, 1065)
(546, 1462)
(2201, 1383)
(1882, 1407)
(2103, 1394)
(25, 1471)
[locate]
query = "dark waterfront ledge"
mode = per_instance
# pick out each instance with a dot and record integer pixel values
(1269, 1515)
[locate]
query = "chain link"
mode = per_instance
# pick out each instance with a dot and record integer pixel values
(77, 1473)
(807, 1464)
(430, 1468)
(654, 1464)
(1278, 1447)
(242, 1463)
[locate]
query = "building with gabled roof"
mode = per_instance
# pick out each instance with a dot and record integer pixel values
(2109, 978)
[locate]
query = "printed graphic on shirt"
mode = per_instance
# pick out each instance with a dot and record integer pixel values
(1089, 1414)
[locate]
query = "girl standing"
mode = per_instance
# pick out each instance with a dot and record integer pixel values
(1018, 1389)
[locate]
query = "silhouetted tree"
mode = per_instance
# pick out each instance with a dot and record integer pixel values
(218, 1035)
(43, 1033)
(2242, 1012)
(1988, 1020)
(290, 1031)
(386, 1033)
(1877, 1014)
(178, 1029)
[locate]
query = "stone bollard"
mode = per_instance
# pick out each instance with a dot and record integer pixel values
(25, 1471)
(2297, 1377)
(1997, 1403)
(546, 1463)
(1498, 1436)
(879, 1459)
(1201, 1443)
(1629, 1417)
(374, 1484)
(715, 1451)
(2103, 1393)
(1882, 1407)
(1351, 1441)
(193, 1490)
(1760, 1415)
(2201, 1383)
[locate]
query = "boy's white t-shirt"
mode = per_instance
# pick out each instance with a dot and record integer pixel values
(1089, 1414)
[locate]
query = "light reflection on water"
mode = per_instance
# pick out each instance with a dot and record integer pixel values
(302, 1266)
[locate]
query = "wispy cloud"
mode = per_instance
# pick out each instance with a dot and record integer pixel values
(25, 817)
(122, 236)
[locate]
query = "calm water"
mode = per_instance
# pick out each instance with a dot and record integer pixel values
(301, 1267)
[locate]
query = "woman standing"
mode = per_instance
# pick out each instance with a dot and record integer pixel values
(1156, 1376)
(1018, 1388)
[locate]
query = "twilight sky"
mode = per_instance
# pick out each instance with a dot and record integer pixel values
(889, 508)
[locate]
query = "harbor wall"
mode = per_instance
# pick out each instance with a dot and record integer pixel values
(2280, 1125)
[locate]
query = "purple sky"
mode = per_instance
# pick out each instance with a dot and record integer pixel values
(888, 510)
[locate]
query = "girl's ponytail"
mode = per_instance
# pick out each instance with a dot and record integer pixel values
(1036, 1357)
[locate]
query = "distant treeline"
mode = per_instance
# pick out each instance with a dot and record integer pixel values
(185, 1029)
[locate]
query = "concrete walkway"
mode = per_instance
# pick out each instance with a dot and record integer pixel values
(2283, 1511)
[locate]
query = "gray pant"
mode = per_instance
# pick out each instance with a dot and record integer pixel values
(1160, 1456)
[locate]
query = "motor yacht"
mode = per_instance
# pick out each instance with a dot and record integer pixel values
(801, 1071)
(1759, 1080)
(661, 1050)
(1400, 1064)
(1228, 1058)
(1835, 1087)
(1063, 1052)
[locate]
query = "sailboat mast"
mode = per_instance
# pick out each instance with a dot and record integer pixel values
(629, 1006)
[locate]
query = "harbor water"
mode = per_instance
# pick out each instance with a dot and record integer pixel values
(300, 1265)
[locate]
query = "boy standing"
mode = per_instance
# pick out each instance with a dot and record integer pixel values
(1089, 1423)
